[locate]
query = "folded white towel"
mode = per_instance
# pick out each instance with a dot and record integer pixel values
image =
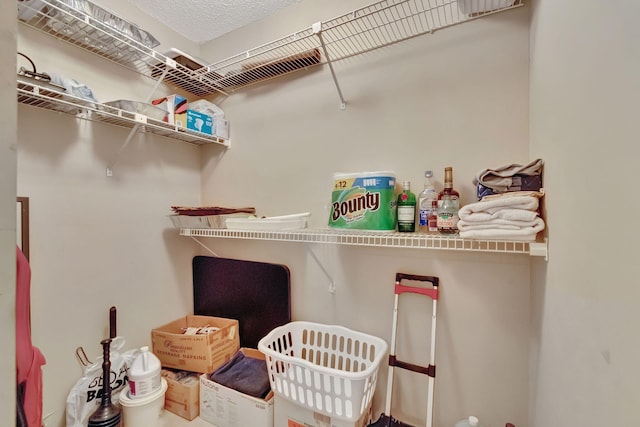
(504, 235)
(494, 205)
(522, 234)
(503, 214)
(539, 194)
(499, 224)
(500, 179)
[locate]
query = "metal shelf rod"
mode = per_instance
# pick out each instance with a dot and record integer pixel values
(317, 29)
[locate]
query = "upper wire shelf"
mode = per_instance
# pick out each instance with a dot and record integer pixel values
(380, 24)
(44, 97)
(362, 30)
(377, 239)
(102, 34)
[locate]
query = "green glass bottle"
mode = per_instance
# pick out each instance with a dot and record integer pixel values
(406, 209)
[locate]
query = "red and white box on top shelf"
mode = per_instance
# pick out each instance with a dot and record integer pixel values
(176, 107)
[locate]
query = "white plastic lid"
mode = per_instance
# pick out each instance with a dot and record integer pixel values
(473, 421)
(145, 365)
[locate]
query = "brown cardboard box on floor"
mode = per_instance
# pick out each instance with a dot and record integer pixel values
(183, 393)
(287, 413)
(202, 353)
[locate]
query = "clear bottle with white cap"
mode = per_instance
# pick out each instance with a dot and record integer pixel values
(470, 421)
(428, 212)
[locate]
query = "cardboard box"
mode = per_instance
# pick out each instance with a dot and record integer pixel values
(226, 407)
(197, 353)
(290, 414)
(183, 393)
(175, 105)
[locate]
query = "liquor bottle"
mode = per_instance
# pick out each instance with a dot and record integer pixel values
(425, 204)
(433, 217)
(448, 205)
(406, 209)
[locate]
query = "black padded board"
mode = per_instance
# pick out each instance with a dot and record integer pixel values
(255, 293)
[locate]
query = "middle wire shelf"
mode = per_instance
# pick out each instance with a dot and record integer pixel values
(375, 239)
(37, 96)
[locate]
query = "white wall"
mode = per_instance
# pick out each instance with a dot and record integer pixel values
(7, 213)
(459, 98)
(99, 241)
(585, 62)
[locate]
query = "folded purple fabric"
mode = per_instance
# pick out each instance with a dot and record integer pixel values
(244, 374)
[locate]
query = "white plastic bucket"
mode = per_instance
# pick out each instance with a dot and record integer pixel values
(144, 374)
(142, 411)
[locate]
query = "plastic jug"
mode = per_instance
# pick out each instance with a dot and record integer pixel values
(469, 422)
(144, 374)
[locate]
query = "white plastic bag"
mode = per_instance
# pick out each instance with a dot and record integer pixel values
(84, 397)
(206, 107)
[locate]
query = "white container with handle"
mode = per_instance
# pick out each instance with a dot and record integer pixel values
(144, 374)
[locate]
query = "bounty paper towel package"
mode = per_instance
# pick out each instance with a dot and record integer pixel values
(364, 201)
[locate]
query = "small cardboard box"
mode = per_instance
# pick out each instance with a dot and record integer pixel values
(183, 393)
(197, 353)
(175, 105)
(290, 414)
(226, 407)
(197, 121)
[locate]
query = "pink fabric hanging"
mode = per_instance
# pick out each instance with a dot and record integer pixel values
(29, 359)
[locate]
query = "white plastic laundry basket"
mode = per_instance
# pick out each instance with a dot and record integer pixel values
(326, 368)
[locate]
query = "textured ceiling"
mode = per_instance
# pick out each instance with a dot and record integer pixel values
(204, 20)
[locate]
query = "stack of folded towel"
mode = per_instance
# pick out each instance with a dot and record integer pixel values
(513, 177)
(501, 179)
(506, 216)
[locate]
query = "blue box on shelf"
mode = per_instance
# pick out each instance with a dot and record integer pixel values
(199, 122)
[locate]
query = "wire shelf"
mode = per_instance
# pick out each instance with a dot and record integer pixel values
(375, 239)
(78, 27)
(380, 24)
(362, 30)
(43, 97)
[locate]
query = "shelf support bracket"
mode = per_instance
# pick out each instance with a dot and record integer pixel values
(332, 283)
(135, 128)
(317, 29)
(540, 249)
(206, 247)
